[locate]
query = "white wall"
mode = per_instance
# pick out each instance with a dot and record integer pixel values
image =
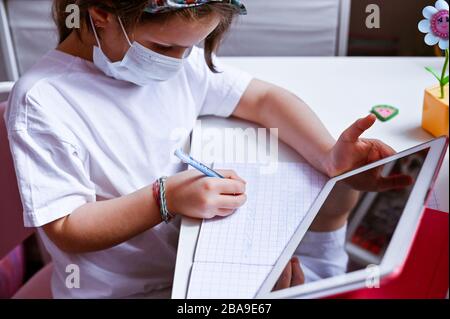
(286, 28)
(33, 29)
(272, 28)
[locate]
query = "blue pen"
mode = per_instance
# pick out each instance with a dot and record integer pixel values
(196, 164)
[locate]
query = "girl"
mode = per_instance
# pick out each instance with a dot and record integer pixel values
(89, 129)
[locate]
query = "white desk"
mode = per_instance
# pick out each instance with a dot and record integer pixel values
(339, 90)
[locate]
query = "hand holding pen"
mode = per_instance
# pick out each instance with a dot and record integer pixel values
(204, 193)
(189, 160)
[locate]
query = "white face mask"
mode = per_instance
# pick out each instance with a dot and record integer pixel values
(140, 65)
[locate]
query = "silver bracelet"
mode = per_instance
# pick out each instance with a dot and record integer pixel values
(166, 216)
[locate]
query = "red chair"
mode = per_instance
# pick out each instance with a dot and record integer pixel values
(12, 231)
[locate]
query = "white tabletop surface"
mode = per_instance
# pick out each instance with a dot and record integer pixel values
(339, 90)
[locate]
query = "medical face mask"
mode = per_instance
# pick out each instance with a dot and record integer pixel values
(140, 65)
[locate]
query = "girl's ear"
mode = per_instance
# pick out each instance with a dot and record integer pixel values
(100, 17)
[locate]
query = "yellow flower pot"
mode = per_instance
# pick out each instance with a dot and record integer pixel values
(435, 111)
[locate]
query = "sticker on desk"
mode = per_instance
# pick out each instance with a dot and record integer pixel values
(385, 112)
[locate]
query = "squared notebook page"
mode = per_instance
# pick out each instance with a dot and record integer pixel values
(256, 234)
(226, 281)
(258, 231)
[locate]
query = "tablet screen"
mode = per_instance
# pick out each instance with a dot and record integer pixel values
(354, 226)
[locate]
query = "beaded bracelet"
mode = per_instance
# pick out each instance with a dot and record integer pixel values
(166, 216)
(155, 188)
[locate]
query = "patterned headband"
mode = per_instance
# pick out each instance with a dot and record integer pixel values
(157, 6)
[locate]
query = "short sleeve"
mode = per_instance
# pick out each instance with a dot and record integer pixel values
(222, 91)
(52, 179)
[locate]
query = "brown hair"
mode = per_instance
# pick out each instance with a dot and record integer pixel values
(132, 13)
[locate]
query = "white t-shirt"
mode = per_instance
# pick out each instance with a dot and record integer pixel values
(78, 136)
(323, 255)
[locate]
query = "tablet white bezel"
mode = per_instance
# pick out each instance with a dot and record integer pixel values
(400, 243)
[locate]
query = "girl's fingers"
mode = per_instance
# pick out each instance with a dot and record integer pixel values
(285, 278)
(224, 212)
(353, 133)
(383, 149)
(298, 277)
(229, 186)
(230, 174)
(231, 201)
(374, 154)
(386, 150)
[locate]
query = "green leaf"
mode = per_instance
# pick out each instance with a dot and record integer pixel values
(445, 80)
(434, 72)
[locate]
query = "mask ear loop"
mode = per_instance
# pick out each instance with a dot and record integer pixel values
(95, 32)
(124, 31)
(188, 52)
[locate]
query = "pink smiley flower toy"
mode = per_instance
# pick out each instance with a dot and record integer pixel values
(435, 25)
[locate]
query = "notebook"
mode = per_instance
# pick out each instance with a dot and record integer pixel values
(234, 254)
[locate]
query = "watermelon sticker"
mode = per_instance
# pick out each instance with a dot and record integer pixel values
(385, 112)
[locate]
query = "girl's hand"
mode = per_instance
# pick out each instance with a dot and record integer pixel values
(192, 194)
(351, 152)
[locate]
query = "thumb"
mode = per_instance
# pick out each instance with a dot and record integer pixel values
(285, 278)
(298, 277)
(358, 128)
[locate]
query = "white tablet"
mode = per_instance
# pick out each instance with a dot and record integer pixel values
(382, 203)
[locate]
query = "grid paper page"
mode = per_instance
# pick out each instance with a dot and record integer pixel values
(226, 281)
(256, 234)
